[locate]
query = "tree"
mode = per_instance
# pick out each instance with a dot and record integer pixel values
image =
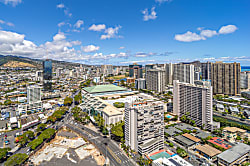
(117, 130)
(181, 152)
(4, 152)
(183, 118)
(68, 101)
(16, 159)
(7, 102)
(41, 127)
(238, 138)
(171, 144)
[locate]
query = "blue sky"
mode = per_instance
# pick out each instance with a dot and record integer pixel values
(126, 31)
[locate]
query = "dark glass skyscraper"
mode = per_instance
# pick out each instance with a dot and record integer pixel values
(47, 75)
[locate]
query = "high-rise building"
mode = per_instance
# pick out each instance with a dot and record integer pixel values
(179, 71)
(195, 102)
(155, 80)
(135, 71)
(144, 126)
(140, 83)
(47, 75)
(225, 78)
(34, 98)
(245, 80)
(206, 71)
(107, 69)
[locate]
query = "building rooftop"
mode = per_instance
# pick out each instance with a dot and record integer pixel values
(104, 88)
(234, 153)
(184, 141)
(193, 138)
(219, 142)
(160, 154)
(234, 129)
(208, 150)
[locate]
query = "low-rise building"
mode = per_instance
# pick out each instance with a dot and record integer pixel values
(219, 142)
(175, 160)
(207, 151)
(231, 133)
(220, 107)
(236, 155)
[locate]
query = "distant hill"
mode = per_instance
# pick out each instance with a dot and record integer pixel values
(18, 61)
(17, 64)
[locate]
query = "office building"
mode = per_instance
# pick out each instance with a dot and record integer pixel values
(245, 80)
(47, 75)
(34, 98)
(195, 102)
(107, 69)
(180, 71)
(225, 78)
(135, 71)
(140, 83)
(39, 75)
(144, 126)
(155, 80)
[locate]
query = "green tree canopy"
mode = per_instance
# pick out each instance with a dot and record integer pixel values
(16, 159)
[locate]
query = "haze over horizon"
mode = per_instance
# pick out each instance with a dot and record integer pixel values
(124, 32)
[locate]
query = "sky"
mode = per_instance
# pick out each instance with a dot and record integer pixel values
(121, 32)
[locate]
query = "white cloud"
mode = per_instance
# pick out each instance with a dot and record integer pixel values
(6, 23)
(161, 1)
(59, 36)
(61, 24)
(60, 6)
(208, 33)
(78, 24)
(90, 48)
(204, 33)
(97, 27)
(228, 29)
(122, 47)
(10, 37)
(149, 16)
(189, 37)
(11, 2)
(111, 33)
(139, 61)
(67, 12)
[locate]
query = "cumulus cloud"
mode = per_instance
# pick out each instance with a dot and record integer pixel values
(121, 47)
(111, 33)
(189, 37)
(59, 36)
(90, 48)
(149, 15)
(208, 33)
(60, 6)
(204, 33)
(99, 27)
(78, 24)
(227, 29)
(138, 61)
(6, 23)
(11, 2)
(10, 37)
(61, 24)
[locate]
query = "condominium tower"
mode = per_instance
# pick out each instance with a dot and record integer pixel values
(195, 102)
(179, 71)
(155, 80)
(225, 78)
(144, 126)
(34, 98)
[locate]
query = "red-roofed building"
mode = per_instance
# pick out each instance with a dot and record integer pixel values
(219, 142)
